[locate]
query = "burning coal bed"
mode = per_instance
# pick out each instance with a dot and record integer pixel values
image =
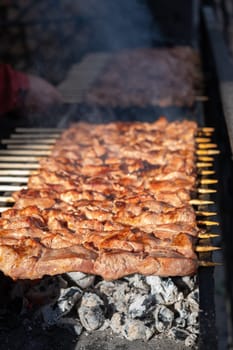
(133, 307)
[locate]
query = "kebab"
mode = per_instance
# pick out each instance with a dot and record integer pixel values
(148, 77)
(112, 219)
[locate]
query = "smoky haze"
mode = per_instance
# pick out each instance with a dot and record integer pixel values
(94, 25)
(118, 24)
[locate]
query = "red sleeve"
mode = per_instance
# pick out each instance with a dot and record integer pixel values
(12, 86)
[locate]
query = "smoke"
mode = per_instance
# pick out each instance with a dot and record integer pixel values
(117, 24)
(85, 26)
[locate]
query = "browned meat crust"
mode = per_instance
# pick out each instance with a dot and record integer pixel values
(95, 208)
(144, 77)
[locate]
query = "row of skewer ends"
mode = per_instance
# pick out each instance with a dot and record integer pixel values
(205, 152)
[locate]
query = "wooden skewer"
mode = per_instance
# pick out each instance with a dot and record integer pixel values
(10, 188)
(206, 190)
(25, 166)
(18, 159)
(28, 146)
(207, 235)
(12, 179)
(35, 136)
(205, 249)
(205, 134)
(28, 141)
(201, 98)
(202, 139)
(208, 181)
(207, 145)
(208, 263)
(11, 172)
(38, 130)
(3, 209)
(205, 159)
(207, 129)
(6, 199)
(203, 165)
(200, 202)
(25, 152)
(207, 152)
(206, 213)
(207, 172)
(208, 223)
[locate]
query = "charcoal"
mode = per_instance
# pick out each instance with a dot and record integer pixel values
(91, 311)
(134, 307)
(70, 323)
(138, 281)
(82, 280)
(163, 318)
(118, 293)
(178, 333)
(165, 290)
(189, 281)
(66, 301)
(141, 306)
(131, 329)
(191, 340)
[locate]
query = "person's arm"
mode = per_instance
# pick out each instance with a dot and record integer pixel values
(13, 86)
(25, 92)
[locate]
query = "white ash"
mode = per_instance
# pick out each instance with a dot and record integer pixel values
(91, 311)
(82, 280)
(165, 290)
(163, 318)
(134, 307)
(131, 329)
(68, 298)
(139, 282)
(118, 294)
(141, 306)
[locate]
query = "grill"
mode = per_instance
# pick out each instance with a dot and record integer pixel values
(20, 153)
(17, 162)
